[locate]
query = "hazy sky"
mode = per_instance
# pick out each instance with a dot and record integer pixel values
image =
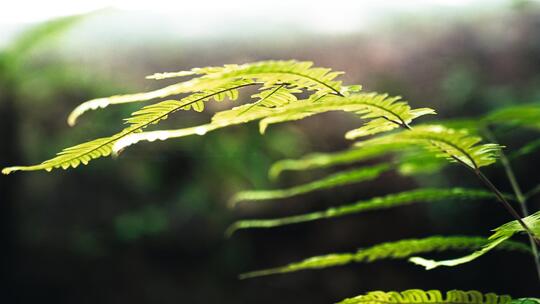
(335, 13)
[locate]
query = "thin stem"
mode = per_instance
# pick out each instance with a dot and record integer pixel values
(497, 193)
(520, 197)
(506, 204)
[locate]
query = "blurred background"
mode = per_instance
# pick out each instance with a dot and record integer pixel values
(149, 226)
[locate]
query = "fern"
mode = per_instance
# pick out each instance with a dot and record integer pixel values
(384, 113)
(325, 160)
(391, 250)
(84, 153)
(425, 195)
(293, 90)
(296, 74)
(418, 296)
(501, 235)
(527, 116)
(454, 145)
(276, 103)
(338, 179)
(368, 105)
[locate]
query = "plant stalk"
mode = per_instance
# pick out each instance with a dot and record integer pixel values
(506, 204)
(520, 197)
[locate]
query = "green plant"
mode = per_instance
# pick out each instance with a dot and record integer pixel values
(291, 90)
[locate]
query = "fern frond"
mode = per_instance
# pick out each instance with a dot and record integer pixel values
(334, 180)
(410, 161)
(417, 296)
(384, 113)
(426, 195)
(357, 103)
(454, 145)
(390, 250)
(523, 115)
(83, 153)
(298, 75)
(501, 235)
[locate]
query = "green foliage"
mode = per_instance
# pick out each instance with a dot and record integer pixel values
(454, 145)
(391, 250)
(276, 103)
(425, 195)
(501, 235)
(338, 179)
(292, 90)
(324, 160)
(431, 296)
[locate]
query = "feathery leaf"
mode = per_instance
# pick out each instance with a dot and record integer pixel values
(334, 180)
(454, 145)
(502, 234)
(364, 103)
(391, 250)
(417, 296)
(298, 75)
(83, 153)
(426, 195)
(522, 115)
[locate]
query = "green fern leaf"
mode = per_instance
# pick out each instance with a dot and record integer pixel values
(334, 180)
(417, 296)
(356, 103)
(411, 160)
(384, 113)
(298, 75)
(523, 115)
(426, 195)
(454, 145)
(501, 235)
(83, 153)
(391, 250)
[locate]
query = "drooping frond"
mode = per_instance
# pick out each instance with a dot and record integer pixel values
(334, 180)
(391, 250)
(501, 235)
(454, 145)
(417, 296)
(368, 105)
(384, 113)
(426, 195)
(83, 153)
(297, 75)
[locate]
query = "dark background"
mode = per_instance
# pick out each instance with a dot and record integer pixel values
(148, 227)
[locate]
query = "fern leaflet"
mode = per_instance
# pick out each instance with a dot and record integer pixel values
(417, 296)
(390, 250)
(454, 145)
(334, 180)
(426, 195)
(502, 234)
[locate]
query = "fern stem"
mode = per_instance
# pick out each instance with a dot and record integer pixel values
(506, 204)
(488, 184)
(520, 197)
